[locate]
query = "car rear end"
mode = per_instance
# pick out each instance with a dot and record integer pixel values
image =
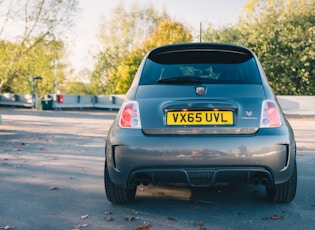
(200, 114)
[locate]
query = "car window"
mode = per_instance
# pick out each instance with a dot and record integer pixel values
(212, 68)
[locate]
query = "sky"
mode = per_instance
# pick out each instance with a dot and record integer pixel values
(83, 43)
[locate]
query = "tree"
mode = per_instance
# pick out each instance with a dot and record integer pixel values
(38, 23)
(122, 33)
(226, 34)
(281, 33)
(168, 32)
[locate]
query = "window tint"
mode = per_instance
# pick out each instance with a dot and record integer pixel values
(229, 72)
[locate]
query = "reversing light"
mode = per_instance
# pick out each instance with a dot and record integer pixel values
(270, 115)
(130, 116)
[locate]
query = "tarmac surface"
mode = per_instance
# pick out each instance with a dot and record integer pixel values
(51, 177)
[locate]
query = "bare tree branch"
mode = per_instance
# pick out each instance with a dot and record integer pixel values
(7, 17)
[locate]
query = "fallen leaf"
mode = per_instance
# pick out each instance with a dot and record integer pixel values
(143, 226)
(85, 216)
(277, 217)
(274, 217)
(130, 218)
(171, 219)
(7, 227)
(77, 227)
(199, 223)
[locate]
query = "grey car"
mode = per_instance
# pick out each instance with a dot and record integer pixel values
(199, 114)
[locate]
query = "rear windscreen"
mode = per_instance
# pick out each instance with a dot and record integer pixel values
(200, 67)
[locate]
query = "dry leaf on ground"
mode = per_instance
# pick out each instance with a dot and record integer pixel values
(143, 226)
(171, 218)
(85, 216)
(199, 223)
(77, 227)
(130, 218)
(7, 227)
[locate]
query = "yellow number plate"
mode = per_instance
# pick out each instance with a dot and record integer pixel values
(200, 118)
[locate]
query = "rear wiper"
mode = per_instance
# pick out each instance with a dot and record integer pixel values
(181, 80)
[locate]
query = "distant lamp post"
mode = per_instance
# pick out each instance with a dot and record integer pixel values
(34, 93)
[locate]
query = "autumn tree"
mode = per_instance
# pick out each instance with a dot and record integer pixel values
(281, 33)
(168, 32)
(29, 49)
(126, 29)
(37, 62)
(223, 34)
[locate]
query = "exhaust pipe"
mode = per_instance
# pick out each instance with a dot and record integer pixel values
(143, 179)
(136, 181)
(257, 181)
(145, 182)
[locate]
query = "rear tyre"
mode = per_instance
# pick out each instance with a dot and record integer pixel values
(283, 193)
(116, 194)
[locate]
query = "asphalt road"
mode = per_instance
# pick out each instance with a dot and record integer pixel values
(51, 177)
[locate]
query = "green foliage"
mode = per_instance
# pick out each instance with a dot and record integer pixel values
(168, 32)
(30, 52)
(281, 33)
(126, 41)
(19, 64)
(77, 88)
(123, 33)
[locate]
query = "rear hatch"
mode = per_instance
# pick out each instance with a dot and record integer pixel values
(178, 109)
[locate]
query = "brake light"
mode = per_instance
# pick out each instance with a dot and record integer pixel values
(130, 116)
(270, 115)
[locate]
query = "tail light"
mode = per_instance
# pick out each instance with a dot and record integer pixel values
(130, 116)
(270, 115)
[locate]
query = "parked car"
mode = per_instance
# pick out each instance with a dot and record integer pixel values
(199, 114)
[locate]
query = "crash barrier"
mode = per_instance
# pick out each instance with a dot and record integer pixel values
(74, 101)
(291, 105)
(24, 100)
(297, 105)
(88, 101)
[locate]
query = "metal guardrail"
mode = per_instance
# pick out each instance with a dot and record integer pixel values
(56, 102)
(291, 105)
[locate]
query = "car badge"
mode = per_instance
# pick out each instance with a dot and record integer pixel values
(200, 90)
(249, 113)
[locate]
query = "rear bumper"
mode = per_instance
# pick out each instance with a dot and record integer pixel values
(199, 160)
